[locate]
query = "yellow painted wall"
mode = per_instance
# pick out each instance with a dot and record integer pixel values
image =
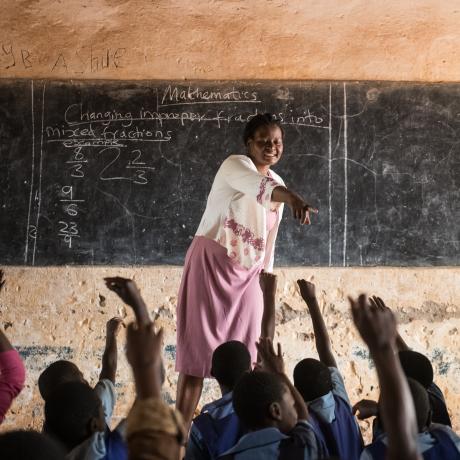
(56, 313)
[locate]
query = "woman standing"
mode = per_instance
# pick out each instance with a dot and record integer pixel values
(219, 297)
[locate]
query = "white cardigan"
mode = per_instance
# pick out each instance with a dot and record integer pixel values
(236, 212)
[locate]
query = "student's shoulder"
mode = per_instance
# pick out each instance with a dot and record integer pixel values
(92, 448)
(105, 389)
(303, 433)
(338, 384)
(434, 390)
(447, 430)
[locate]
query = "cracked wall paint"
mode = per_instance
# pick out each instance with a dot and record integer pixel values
(205, 39)
(56, 313)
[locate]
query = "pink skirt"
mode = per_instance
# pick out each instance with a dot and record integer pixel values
(218, 301)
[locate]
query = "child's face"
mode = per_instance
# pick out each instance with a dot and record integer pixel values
(288, 412)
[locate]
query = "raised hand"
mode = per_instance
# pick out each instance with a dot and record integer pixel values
(128, 291)
(376, 326)
(113, 326)
(307, 290)
(125, 288)
(300, 209)
(365, 408)
(378, 303)
(271, 361)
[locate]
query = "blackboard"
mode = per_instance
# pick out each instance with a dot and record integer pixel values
(108, 172)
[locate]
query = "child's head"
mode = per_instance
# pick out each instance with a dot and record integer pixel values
(57, 373)
(73, 413)
(24, 445)
(421, 404)
(417, 366)
(229, 362)
(312, 379)
(262, 400)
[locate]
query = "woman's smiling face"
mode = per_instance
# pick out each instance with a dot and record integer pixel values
(266, 146)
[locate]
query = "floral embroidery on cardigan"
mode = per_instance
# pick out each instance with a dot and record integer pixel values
(245, 233)
(263, 186)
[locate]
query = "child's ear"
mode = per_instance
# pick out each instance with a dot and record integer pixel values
(274, 411)
(96, 424)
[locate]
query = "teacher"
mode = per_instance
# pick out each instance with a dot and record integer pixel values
(220, 298)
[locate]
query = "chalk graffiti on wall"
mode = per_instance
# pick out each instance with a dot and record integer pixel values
(79, 61)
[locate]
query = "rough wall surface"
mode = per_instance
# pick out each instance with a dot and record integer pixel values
(53, 313)
(231, 39)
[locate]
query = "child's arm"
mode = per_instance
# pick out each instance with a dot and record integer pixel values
(322, 340)
(110, 356)
(268, 283)
(377, 302)
(153, 430)
(378, 329)
(273, 362)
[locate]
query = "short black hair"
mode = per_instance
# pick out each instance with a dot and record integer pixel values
(27, 444)
(253, 395)
(421, 404)
(229, 362)
(416, 366)
(312, 379)
(55, 374)
(256, 122)
(69, 410)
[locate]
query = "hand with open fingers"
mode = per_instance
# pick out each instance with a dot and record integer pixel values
(307, 290)
(113, 326)
(125, 288)
(268, 282)
(377, 327)
(365, 408)
(271, 361)
(300, 209)
(378, 303)
(144, 346)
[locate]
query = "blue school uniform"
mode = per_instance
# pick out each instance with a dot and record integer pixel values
(271, 444)
(438, 408)
(438, 405)
(108, 445)
(439, 442)
(214, 431)
(333, 421)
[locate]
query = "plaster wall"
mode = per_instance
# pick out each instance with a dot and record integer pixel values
(60, 313)
(53, 313)
(231, 39)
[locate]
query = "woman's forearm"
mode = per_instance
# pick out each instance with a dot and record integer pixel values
(282, 195)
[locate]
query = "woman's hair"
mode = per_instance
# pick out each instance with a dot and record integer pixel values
(258, 121)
